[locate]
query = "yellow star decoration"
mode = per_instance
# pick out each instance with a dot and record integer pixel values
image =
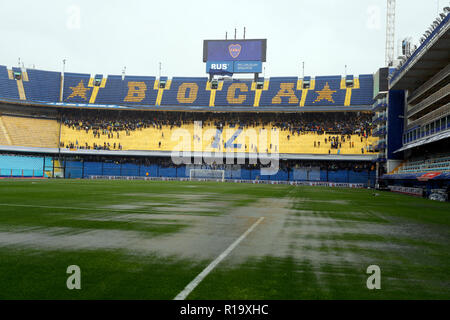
(79, 91)
(325, 94)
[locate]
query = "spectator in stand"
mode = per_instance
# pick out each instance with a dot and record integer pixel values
(106, 123)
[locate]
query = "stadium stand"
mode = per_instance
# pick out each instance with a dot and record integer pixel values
(114, 92)
(281, 91)
(136, 114)
(418, 92)
(42, 85)
(28, 131)
(308, 133)
(440, 163)
(45, 86)
(237, 92)
(328, 91)
(362, 96)
(76, 88)
(8, 86)
(186, 91)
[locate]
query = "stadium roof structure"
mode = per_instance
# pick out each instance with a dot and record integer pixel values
(427, 140)
(432, 56)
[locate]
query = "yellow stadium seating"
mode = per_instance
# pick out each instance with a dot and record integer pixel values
(172, 139)
(4, 137)
(29, 132)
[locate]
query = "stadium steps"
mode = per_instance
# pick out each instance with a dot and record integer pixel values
(21, 90)
(31, 132)
(5, 140)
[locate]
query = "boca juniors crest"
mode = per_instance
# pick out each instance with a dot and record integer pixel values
(235, 50)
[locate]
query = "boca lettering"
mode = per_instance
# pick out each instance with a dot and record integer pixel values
(286, 91)
(231, 94)
(192, 92)
(136, 91)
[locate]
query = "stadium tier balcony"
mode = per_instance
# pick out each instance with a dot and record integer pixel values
(186, 91)
(113, 91)
(282, 91)
(234, 136)
(362, 96)
(8, 86)
(379, 132)
(236, 93)
(381, 145)
(380, 106)
(438, 164)
(42, 85)
(380, 119)
(76, 88)
(323, 92)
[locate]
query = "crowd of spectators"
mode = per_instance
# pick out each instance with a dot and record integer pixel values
(113, 123)
(95, 146)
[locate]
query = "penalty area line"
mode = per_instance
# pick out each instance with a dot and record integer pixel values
(194, 283)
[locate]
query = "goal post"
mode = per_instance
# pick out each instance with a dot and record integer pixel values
(207, 174)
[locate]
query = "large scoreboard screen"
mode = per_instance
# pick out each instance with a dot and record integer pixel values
(235, 50)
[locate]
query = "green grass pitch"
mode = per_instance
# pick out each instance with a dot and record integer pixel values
(148, 240)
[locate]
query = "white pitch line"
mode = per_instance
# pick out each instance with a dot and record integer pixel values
(194, 283)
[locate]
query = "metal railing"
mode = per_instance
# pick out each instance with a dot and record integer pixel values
(21, 173)
(435, 97)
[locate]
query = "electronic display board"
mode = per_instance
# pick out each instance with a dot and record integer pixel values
(235, 50)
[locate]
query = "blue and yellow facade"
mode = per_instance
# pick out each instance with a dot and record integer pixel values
(276, 93)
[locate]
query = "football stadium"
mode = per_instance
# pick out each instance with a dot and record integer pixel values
(231, 186)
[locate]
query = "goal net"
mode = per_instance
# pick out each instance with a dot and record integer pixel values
(207, 174)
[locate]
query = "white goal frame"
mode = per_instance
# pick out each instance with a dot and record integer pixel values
(203, 174)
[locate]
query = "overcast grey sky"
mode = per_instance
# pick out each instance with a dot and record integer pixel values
(103, 36)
